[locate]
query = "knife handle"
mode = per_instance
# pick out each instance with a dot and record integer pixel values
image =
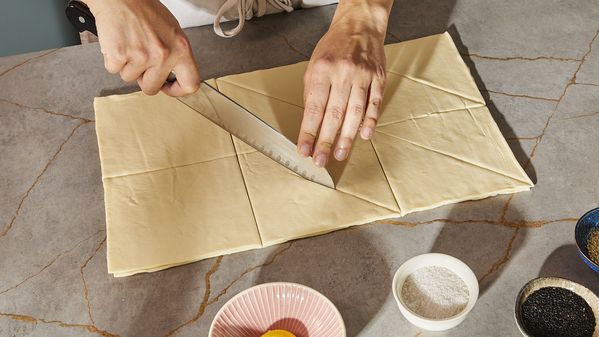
(82, 18)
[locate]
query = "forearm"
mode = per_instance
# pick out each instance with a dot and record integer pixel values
(370, 15)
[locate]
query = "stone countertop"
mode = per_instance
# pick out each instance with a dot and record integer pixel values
(537, 64)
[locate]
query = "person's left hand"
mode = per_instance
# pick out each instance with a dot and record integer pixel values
(343, 85)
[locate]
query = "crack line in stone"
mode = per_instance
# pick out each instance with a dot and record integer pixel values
(523, 138)
(411, 224)
(49, 264)
(504, 259)
(9, 225)
(522, 58)
(515, 224)
(249, 270)
(570, 83)
(581, 116)
(393, 35)
(522, 96)
(35, 320)
(85, 290)
(205, 298)
(207, 301)
(28, 60)
(589, 84)
(20, 105)
(282, 36)
(538, 223)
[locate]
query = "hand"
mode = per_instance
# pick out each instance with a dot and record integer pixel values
(141, 40)
(344, 82)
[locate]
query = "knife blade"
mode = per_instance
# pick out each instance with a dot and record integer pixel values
(230, 116)
(243, 124)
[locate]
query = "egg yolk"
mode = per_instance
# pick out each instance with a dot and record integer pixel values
(278, 333)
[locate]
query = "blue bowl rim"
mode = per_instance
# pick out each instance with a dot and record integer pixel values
(588, 259)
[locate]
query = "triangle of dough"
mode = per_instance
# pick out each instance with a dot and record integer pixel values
(435, 61)
(406, 98)
(283, 83)
(284, 117)
(422, 179)
(465, 135)
(288, 207)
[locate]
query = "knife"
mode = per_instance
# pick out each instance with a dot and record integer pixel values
(229, 115)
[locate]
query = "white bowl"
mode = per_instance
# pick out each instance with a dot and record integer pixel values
(441, 260)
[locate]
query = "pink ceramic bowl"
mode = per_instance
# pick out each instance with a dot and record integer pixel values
(293, 307)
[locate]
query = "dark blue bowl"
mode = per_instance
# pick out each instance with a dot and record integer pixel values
(585, 225)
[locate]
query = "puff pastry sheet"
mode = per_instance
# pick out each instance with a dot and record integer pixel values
(180, 189)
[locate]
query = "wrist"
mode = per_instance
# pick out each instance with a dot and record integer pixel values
(360, 15)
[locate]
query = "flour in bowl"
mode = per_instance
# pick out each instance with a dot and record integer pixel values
(435, 292)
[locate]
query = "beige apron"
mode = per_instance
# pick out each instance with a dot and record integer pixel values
(193, 13)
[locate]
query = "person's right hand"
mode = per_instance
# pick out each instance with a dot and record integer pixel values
(141, 40)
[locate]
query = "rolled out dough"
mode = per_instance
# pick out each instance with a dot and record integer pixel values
(180, 189)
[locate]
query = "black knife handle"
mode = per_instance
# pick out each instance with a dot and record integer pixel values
(81, 17)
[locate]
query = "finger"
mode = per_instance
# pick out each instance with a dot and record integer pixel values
(188, 79)
(152, 80)
(132, 71)
(316, 93)
(351, 122)
(333, 118)
(114, 63)
(375, 100)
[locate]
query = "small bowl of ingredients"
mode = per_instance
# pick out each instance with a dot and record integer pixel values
(586, 233)
(278, 309)
(553, 306)
(435, 291)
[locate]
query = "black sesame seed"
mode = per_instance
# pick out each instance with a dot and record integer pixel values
(557, 312)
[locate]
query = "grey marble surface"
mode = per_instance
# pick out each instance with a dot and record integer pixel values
(537, 64)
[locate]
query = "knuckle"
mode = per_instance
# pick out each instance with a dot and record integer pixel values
(324, 145)
(162, 53)
(191, 87)
(371, 120)
(150, 90)
(322, 63)
(119, 55)
(140, 56)
(307, 135)
(357, 109)
(346, 141)
(313, 110)
(336, 113)
(182, 43)
(127, 77)
(111, 68)
(348, 62)
(375, 101)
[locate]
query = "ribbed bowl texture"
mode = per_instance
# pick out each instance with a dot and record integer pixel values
(288, 306)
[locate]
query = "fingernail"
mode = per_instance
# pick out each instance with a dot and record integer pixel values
(321, 160)
(340, 154)
(304, 150)
(366, 133)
